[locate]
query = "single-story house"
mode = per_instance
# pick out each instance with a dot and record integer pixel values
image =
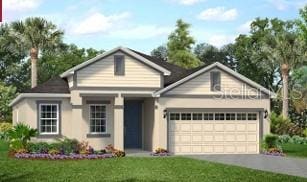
(132, 100)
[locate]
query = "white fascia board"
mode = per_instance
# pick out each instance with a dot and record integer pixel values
(223, 67)
(37, 95)
(123, 49)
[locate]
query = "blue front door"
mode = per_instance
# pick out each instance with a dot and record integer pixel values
(133, 124)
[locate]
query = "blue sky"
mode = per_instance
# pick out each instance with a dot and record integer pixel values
(144, 24)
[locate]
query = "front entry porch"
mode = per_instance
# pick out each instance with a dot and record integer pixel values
(137, 123)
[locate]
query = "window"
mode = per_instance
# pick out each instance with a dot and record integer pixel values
(215, 78)
(252, 116)
(219, 116)
(197, 116)
(97, 118)
(230, 116)
(208, 116)
(49, 118)
(185, 116)
(174, 116)
(241, 116)
(119, 65)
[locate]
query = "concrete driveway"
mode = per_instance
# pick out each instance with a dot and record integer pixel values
(284, 165)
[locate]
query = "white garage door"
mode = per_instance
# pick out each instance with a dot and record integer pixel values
(213, 133)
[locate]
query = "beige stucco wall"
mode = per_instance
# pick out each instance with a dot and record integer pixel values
(101, 74)
(74, 119)
(200, 85)
(172, 102)
(149, 124)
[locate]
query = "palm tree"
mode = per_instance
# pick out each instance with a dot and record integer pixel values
(285, 47)
(33, 35)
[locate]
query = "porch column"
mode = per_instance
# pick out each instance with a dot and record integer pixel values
(119, 122)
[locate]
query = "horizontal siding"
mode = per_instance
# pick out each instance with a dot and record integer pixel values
(101, 74)
(201, 85)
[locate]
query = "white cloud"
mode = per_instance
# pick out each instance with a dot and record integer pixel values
(141, 32)
(20, 5)
(245, 27)
(187, 2)
(219, 14)
(221, 39)
(279, 4)
(98, 23)
(283, 5)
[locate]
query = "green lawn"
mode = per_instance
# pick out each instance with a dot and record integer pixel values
(129, 169)
(295, 150)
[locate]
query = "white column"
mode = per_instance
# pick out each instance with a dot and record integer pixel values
(119, 122)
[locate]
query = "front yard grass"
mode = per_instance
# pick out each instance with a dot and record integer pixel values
(129, 169)
(294, 150)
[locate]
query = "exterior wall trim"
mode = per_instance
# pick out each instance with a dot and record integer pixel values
(59, 102)
(117, 88)
(37, 95)
(218, 96)
(215, 109)
(98, 102)
(102, 135)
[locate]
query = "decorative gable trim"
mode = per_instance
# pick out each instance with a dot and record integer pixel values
(222, 67)
(123, 49)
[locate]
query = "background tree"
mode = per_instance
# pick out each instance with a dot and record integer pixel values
(209, 54)
(179, 46)
(13, 65)
(55, 62)
(160, 52)
(33, 35)
(7, 94)
(284, 47)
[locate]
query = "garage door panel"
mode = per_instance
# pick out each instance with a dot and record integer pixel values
(208, 126)
(252, 127)
(241, 127)
(197, 127)
(218, 137)
(219, 127)
(214, 136)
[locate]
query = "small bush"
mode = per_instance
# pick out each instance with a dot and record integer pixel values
(271, 141)
(40, 147)
(119, 153)
(68, 146)
(283, 126)
(4, 128)
(284, 139)
(295, 139)
(160, 150)
(54, 152)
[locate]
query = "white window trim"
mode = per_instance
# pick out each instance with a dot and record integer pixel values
(57, 119)
(106, 118)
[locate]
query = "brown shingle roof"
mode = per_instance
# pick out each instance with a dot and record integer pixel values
(54, 85)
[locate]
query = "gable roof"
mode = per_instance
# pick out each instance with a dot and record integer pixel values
(190, 74)
(177, 72)
(123, 49)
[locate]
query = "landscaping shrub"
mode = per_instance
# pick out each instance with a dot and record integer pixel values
(284, 139)
(4, 128)
(295, 139)
(19, 136)
(68, 146)
(271, 141)
(40, 147)
(282, 126)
